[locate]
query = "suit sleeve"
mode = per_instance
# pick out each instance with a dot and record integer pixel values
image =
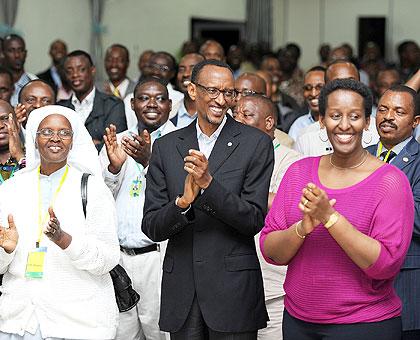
(162, 218)
(116, 116)
(415, 187)
(244, 213)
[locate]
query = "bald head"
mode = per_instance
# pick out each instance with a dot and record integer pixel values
(341, 69)
(212, 49)
(36, 94)
(257, 111)
(249, 83)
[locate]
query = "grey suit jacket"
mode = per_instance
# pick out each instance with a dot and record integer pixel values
(211, 250)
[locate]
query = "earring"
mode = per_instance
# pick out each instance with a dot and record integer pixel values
(368, 135)
(323, 135)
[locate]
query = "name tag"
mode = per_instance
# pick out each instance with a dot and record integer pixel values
(35, 263)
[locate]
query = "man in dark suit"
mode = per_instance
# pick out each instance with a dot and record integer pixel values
(98, 110)
(209, 204)
(396, 118)
(58, 51)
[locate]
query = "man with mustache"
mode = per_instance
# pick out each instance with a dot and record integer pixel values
(14, 51)
(397, 116)
(124, 161)
(187, 111)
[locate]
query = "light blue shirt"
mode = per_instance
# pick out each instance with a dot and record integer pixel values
(206, 143)
(299, 124)
(184, 118)
(55, 76)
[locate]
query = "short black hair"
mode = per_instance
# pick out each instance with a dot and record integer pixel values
(198, 67)
(125, 49)
(414, 96)
(347, 85)
(295, 49)
(316, 68)
(34, 81)
(403, 45)
(13, 37)
(144, 80)
(79, 53)
(7, 72)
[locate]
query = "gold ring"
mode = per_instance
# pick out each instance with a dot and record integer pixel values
(305, 202)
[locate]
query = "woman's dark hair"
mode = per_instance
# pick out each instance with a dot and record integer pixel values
(347, 85)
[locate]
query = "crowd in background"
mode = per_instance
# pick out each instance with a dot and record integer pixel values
(297, 154)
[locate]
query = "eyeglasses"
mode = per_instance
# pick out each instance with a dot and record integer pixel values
(309, 87)
(214, 92)
(62, 134)
(162, 68)
(245, 93)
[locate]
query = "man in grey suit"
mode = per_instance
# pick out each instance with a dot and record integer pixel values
(396, 118)
(207, 189)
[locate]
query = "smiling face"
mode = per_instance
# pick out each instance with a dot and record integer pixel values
(35, 95)
(151, 105)
(345, 121)
(211, 111)
(395, 119)
(185, 67)
(53, 150)
(313, 83)
(116, 64)
(80, 75)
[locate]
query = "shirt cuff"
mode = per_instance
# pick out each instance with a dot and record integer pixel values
(75, 249)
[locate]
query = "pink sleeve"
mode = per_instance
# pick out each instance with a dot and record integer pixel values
(276, 218)
(392, 226)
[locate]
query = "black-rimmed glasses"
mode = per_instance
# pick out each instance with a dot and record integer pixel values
(214, 92)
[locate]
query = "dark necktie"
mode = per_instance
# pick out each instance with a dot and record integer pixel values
(392, 154)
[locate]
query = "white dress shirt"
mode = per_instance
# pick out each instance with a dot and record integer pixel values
(122, 87)
(206, 143)
(299, 124)
(128, 188)
(85, 107)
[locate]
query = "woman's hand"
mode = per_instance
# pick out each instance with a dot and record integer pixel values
(54, 231)
(315, 203)
(9, 236)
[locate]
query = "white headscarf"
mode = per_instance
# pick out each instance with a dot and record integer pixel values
(82, 156)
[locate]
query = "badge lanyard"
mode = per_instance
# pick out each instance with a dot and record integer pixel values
(41, 220)
(380, 146)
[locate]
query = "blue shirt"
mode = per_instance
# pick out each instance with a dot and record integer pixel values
(299, 124)
(184, 118)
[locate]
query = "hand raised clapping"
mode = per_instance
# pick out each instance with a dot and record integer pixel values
(9, 236)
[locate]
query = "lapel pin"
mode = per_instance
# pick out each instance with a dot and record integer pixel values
(229, 144)
(405, 159)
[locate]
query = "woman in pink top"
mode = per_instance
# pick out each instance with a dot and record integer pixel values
(342, 223)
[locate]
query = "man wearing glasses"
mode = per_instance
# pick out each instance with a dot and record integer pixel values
(207, 188)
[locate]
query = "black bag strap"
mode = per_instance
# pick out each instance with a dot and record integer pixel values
(84, 182)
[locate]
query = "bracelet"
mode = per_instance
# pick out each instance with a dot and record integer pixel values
(332, 220)
(297, 232)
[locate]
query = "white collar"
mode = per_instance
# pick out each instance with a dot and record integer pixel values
(88, 99)
(214, 135)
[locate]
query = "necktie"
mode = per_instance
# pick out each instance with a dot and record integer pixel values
(392, 154)
(116, 92)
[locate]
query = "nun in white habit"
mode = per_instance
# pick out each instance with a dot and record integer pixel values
(56, 261)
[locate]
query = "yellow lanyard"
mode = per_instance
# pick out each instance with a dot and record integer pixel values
(380, 146)
(42, 221)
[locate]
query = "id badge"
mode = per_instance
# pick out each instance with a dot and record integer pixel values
(35, 263)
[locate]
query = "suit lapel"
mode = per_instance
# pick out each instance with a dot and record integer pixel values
(407, 155)
(187, 140)
(226, 143)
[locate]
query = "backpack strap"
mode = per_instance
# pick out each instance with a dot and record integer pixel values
(84, 182)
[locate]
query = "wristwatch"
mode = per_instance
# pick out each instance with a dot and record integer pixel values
(332, 220)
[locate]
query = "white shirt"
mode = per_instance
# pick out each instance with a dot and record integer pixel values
(299, 124)
(184, 119)
(206, 143)
(85, 107)
(128, 188)
(313, 142)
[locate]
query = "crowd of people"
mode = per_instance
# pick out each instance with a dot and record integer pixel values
(244, 197)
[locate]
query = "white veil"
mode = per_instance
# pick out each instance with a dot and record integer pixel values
(83, 155)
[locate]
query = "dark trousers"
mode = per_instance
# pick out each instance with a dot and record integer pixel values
(294, 329)
(195, 328)
(411, 335)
